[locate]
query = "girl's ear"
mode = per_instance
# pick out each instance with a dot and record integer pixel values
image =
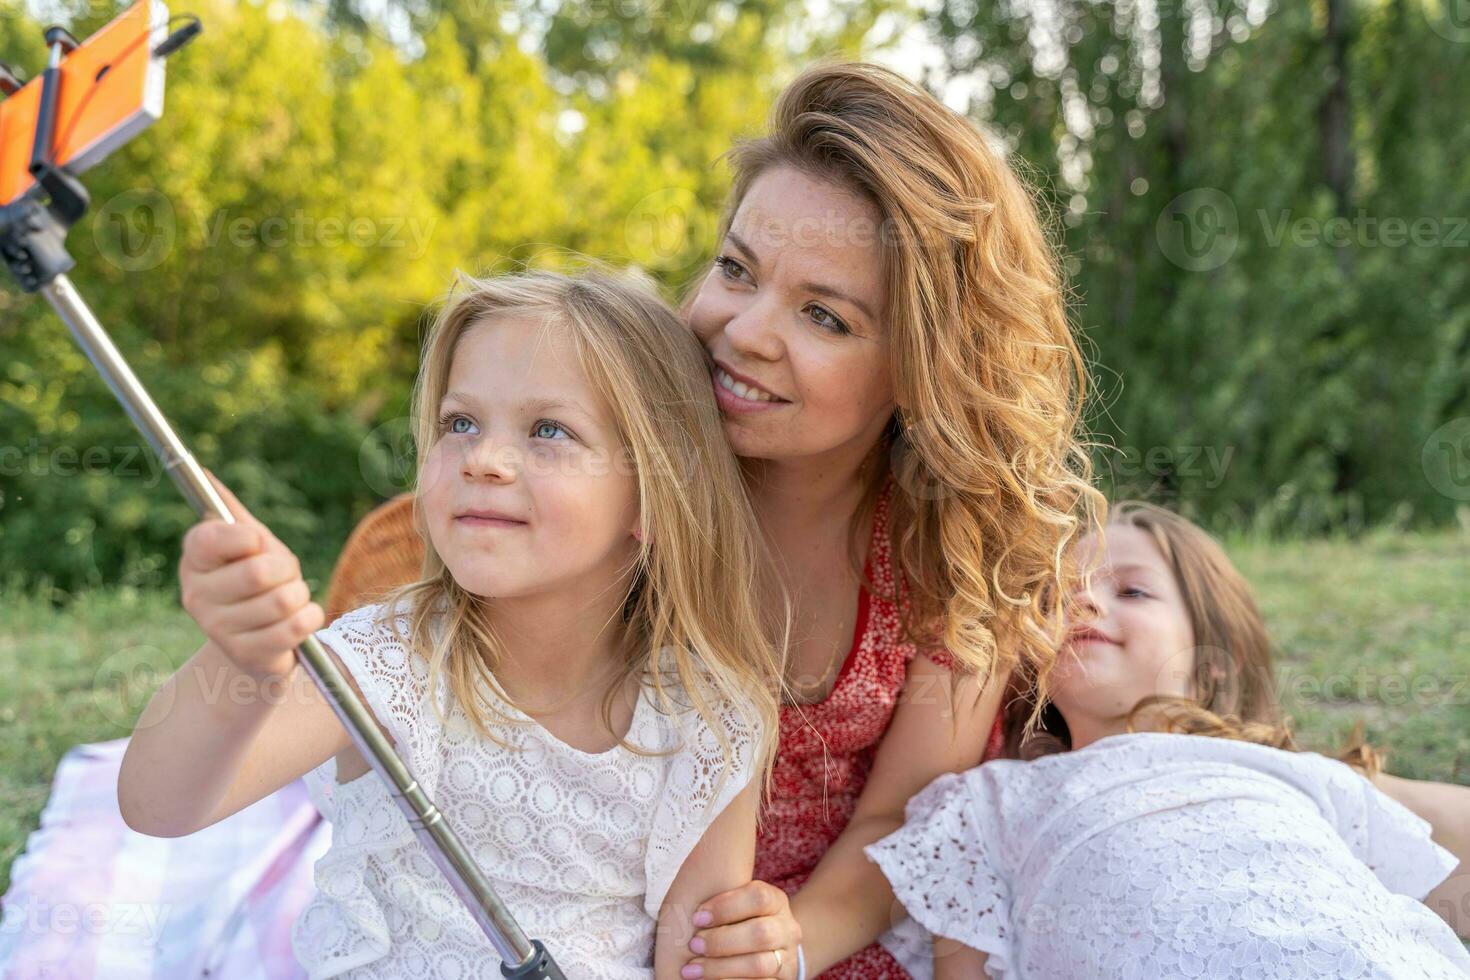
(640, 532)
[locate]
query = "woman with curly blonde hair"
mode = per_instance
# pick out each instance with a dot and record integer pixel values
(887, 333)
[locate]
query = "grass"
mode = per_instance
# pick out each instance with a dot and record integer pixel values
(78, 674)
(1376, 629)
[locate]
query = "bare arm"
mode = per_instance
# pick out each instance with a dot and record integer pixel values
(213, 740)
(956, 961)
(240, 718)
(723, 859)
(847, 903)
(1447, 809)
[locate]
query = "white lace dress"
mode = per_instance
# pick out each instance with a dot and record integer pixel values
(582, 847)
(1168, 855)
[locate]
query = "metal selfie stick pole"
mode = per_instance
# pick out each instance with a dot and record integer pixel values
(32, 241)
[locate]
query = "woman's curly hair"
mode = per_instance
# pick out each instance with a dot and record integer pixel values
(993, 478)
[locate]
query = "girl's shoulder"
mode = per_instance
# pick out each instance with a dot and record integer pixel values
(374, 616)
(374, 644)
(707, 758)
(1340, 793)
(1142, 764)
(374, 624)
(726, 719)
(1114, 763)
(380, 636)
(1181, 748)
(1164, 753)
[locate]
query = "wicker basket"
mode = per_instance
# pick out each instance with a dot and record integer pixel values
(383, 551)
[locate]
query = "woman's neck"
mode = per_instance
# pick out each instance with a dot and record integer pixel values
(793, 498)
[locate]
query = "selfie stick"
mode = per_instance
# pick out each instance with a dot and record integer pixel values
(33, 244)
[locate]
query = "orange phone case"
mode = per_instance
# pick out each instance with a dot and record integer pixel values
(111, 89)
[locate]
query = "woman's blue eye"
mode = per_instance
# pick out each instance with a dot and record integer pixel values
(546, 430)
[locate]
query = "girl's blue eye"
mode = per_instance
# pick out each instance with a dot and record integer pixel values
(545, 429)
(729, 268)
(1131, 592)
(451, 420)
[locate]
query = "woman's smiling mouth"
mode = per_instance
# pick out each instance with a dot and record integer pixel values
(741, 393)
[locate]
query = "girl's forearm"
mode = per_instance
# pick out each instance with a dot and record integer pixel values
(847, 903)
(956, 961)
(1446, 807)
(188, 745)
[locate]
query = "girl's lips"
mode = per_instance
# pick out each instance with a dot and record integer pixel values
(487, 522)
(1091, 636)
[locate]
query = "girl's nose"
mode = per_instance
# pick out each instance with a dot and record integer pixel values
(1088, 604)
(490, 459)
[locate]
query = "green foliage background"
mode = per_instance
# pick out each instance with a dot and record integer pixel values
(265, 254)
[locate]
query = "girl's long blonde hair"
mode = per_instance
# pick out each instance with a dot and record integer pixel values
(1234, 680)
(691, 588)
(993, 478)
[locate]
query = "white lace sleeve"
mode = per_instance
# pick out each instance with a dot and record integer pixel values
(946, 873)
(394, 683)
(1392, 840)
(698, 785)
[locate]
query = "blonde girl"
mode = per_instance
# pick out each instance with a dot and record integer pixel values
(579, 678)
(1130, 846)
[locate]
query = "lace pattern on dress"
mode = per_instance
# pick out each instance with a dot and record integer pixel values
(1168, 855)
(567, 837)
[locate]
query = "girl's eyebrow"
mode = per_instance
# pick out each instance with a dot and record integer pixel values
(526, 405)
(1128, 568)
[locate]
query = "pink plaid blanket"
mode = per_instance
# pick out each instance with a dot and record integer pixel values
(91, 898)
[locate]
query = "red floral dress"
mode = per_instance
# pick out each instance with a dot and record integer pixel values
(827, 749)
